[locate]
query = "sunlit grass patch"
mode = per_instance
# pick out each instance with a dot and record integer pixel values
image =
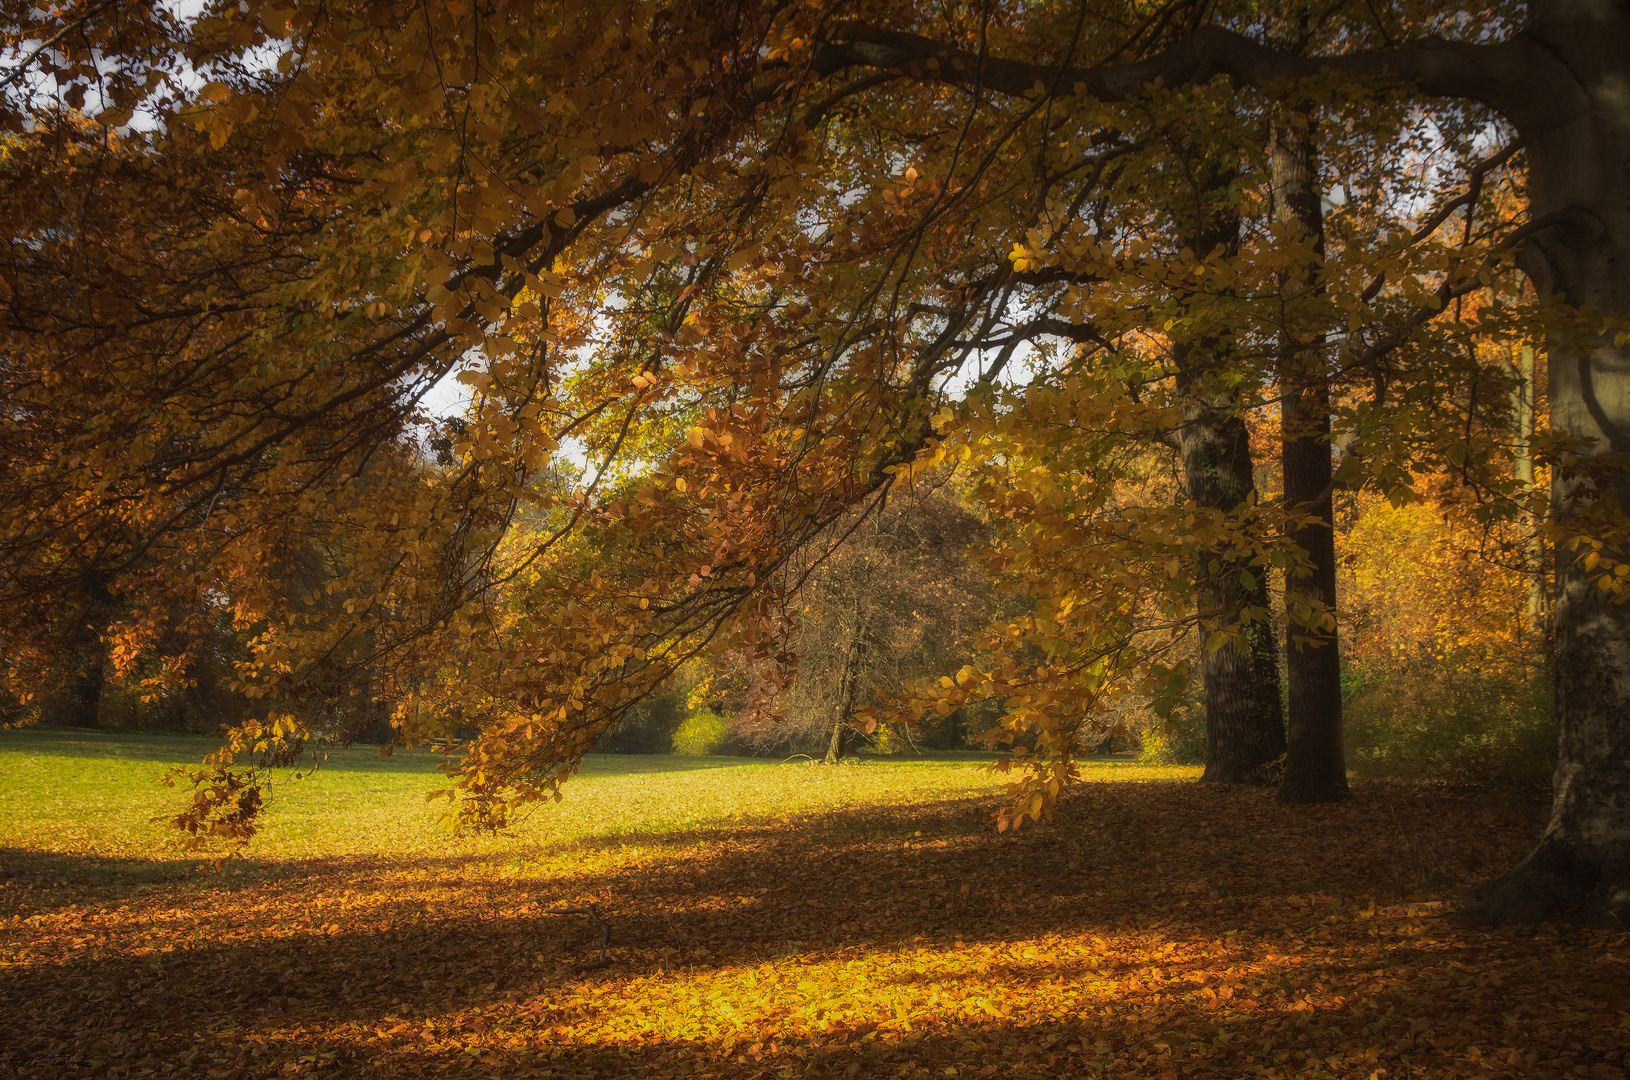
(95, 793)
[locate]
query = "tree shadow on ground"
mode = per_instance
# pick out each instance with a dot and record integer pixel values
(67, 876)
(1174, 928)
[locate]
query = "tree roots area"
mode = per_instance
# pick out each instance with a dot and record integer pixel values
(1163, 929)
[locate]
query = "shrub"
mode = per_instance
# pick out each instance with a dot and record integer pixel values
(647, 728)
(1458, 727)
(703, 733)
(965, 727)
(1180, 740)
(896, 739)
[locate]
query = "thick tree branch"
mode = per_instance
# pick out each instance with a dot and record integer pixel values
(1502, 76)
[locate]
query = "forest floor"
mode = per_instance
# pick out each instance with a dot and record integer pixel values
(777, 921)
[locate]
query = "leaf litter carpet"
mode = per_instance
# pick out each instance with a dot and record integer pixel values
(1156, 929)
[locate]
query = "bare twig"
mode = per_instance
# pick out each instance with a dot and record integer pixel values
(22, 65)
(605, 935)
(1474, 190)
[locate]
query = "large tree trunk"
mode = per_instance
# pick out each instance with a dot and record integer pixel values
(1572, 116)
(1315, 759)
(1245, 723)
(1244, 714)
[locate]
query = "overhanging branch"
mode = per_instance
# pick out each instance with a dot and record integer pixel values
(1500, 75)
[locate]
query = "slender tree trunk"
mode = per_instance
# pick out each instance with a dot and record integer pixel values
(367, 722)
(1315, 759)
(83, 698)
(1523, 399)
(85, 694)
(834, 749)
(848, 685)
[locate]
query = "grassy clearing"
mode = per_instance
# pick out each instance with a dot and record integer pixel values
(776, 921)
(97, 794)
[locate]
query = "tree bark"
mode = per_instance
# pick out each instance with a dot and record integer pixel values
(1245, 722)
(83, 699)
(1573, 125)
(1315, 758)
(848, 688)
(1522, 433)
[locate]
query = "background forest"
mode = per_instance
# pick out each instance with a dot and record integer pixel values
(1443, 657)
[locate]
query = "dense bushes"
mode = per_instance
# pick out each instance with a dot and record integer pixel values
(704, 732)
(1464, 728)
(1441, 647)
(647, 728)
(1435, 723)
(201, 702)
(1178, 741)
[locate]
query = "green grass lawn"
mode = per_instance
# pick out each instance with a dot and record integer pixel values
(96, 794)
